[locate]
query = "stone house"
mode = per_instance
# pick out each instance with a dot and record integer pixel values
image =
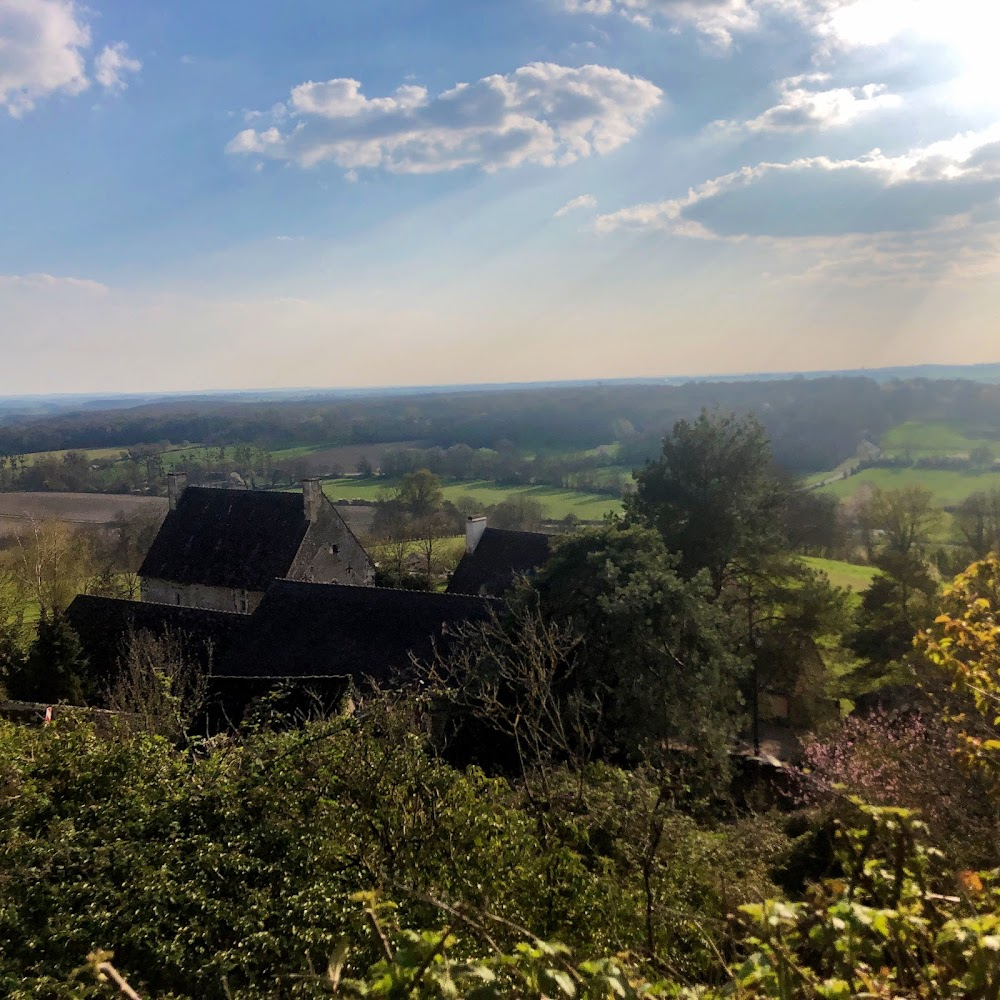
(220, 549)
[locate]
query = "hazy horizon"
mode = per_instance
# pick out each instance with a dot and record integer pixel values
(449, 193)
(954, 371)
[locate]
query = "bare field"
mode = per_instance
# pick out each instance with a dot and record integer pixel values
(19, 510)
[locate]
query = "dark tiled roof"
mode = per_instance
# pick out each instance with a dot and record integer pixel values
(228, 538)
(322, 630)
(103, 625)
(500, 556)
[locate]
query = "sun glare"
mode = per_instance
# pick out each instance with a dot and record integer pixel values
(967, 29)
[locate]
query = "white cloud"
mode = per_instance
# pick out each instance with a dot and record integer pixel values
(582, 201)
(718, 20)
(542, 113)
(49, 282)
(41, 51)
(822, 196)
(802, 107)
(890, 207)
(112, 64)
(43, 45)
(965, 30)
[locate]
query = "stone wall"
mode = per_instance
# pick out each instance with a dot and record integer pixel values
(196, 595)
(331, 554)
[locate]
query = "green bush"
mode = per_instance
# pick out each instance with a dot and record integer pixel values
(230, 865)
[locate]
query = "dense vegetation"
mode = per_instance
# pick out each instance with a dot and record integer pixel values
(569, 800)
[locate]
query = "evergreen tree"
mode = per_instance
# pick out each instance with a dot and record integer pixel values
(714, 495)
(55, 668)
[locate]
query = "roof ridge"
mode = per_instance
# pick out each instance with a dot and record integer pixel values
(384, 590)
(158, 604)
(522, 531)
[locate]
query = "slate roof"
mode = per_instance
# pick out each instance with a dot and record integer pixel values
(500, 555)
(242, 539)
(103, 625)
(323, 630)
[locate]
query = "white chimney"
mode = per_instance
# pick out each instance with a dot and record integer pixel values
(176, 484)
(312, 497)
(474, 528)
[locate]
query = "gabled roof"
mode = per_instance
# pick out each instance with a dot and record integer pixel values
(228, 538)
(499, 556)
(323, 630)
(103, 625)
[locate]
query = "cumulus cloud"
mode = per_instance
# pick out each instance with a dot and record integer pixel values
(803, 107)
(43, 46)
(41, 51)
(111, 66)
(542, 113)
(949, 186)
(582, 201)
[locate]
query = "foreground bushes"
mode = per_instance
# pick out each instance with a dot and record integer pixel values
(225, 868)
(265, 867)
(882, 930)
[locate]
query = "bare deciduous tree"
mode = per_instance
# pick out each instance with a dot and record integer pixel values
(160, 688)
(515, 676)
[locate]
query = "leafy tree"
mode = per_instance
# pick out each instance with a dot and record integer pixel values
(981, 457)
(518, 512)
(896, 528)
(813, 524)
(978, 519)
(653, 640)
(964, 642)
(714, 495)
(420, 493)
(791, 620)
(898, 602)
(898, 524)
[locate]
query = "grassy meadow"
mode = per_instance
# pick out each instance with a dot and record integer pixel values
(92, 454)
(950, 487)
(920, 439)
(843, 574)
(556, 503)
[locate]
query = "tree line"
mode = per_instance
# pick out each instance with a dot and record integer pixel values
(814, 424)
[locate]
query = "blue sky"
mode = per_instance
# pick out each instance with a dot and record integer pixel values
(334, 193)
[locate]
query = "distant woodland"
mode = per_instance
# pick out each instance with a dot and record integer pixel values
(813, 424)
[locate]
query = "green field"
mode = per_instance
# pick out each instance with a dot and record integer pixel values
(920, 439)
(843, 574)
(949, 488)
(557, 503)
(93, 454)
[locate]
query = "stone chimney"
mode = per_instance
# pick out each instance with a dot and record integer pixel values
(176, 484)
(312, 497)
(474, 528)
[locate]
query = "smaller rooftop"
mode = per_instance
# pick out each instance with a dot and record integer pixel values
(497, 556)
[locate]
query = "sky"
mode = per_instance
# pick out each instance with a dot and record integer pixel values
(334, 193)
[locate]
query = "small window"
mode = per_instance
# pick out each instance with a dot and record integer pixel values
(333, 549)
(177, 598)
